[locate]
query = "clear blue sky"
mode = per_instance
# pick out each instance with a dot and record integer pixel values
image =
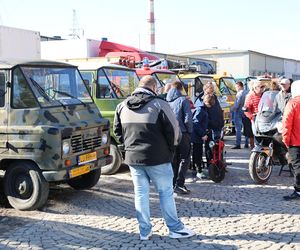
(267, 26)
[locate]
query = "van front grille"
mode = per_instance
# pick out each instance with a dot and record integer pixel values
(80, 144)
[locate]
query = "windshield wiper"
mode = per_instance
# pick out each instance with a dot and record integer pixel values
(43, 93)
(117, 89)
(69, 95)
(40, 89)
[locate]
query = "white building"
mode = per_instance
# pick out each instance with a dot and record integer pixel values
(249, 63)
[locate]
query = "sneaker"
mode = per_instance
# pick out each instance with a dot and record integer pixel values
(201, 176)
(181, 190)
(236, 147)
(191, 180)
(183, 233)
(147, 237)
(295, 195)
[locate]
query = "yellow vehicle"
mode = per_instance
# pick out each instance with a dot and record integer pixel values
(266, 80)
(193, 84)
(226, 85)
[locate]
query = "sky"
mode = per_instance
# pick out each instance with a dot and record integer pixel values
(266, 26)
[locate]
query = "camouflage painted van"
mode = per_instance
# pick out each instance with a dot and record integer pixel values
(50, 131)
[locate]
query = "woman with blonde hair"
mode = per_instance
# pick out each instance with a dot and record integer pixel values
(251, 103)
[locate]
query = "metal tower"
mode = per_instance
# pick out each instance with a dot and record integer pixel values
(152, 26)
(75, 30)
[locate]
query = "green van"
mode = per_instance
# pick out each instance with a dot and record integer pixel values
(109, 84)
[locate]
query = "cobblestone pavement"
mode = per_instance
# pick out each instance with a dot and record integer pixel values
(235, 214)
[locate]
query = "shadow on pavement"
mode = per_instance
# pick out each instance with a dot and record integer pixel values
(61, 235)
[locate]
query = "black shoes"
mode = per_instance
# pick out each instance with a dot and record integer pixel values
(294, 196)
(236, 147)
(246, 146)
(181, 190)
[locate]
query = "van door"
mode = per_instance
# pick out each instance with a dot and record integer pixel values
(3, 110)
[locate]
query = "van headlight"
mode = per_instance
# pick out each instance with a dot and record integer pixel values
(211, 144)
(66, 147)
(104, 139)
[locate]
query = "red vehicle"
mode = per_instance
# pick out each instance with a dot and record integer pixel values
(162, 76)
(216, 162)
(130, 57)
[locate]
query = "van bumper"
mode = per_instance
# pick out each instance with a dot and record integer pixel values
(63, 174)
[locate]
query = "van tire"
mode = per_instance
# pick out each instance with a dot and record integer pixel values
(24, 186)
(85, 181)
(116, 162)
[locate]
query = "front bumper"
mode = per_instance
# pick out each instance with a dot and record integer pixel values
(63, 174)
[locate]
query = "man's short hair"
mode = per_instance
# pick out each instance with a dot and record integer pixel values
(147, 81)
(240, 84)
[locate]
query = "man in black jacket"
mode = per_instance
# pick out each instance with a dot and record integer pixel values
(149, 130)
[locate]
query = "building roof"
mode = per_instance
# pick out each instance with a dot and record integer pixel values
(212, 51)
(216, 51)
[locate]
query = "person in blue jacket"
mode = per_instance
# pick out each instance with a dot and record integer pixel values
(199, 135)
(182, 110)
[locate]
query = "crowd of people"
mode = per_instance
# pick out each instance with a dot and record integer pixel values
(283, 108)
(161, 133)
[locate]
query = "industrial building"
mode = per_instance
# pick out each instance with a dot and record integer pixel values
(248, 63)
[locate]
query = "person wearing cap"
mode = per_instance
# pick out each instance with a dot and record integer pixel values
(291, 136)
(284, 94)
(238, 114)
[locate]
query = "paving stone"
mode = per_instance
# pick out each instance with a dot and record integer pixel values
(233, 214)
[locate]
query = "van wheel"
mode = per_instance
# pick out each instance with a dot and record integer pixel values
(116, 162)
(24, 186)
(85, 181)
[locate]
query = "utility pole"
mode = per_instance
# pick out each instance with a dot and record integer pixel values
(152, 26)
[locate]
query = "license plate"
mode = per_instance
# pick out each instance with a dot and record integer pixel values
(87, 158)
(79, 171)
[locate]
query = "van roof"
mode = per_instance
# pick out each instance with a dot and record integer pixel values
(10, 63)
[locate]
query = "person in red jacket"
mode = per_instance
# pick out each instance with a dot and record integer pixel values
(251, 103)
(291, 136)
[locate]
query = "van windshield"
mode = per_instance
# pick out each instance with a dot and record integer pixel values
(57, 86)
(166, 78)
(116, 83)
(227, 86)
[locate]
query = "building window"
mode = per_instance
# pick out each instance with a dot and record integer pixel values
(2, 89)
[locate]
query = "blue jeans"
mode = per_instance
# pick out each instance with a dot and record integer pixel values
(162, 178)
(238, 127)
